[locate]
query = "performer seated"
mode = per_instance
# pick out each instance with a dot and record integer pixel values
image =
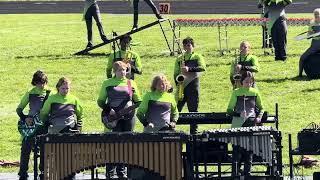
(116, 94)
(242, 106)
(62, 110)
(314, 27)
(131, 58)
(244, 62)
(91, 9)
(187, 70)
(35, 97)
(136, 11)
(158, 110)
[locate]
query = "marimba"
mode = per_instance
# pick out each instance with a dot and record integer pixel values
(66, 154)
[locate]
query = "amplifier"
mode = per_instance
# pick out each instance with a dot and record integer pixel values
(309, 140)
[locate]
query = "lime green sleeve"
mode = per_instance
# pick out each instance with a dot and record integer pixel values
(24, 101)
(136, 94)
(142, 110)
(109, 66)
(260, 104)
(102, 96)
(44, 112)
(201, 62)
(138, 63)
(255, 64)
(232, 102)
(174, 110)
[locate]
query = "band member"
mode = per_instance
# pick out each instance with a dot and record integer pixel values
(158, 109)
(314, 27)
(245, 61)
(277, 25)
(116, 94)
(136, 11)
(35, 97)
(186, 74)
(91, 9)
(63, 111)
(131, 58)
(243, 104)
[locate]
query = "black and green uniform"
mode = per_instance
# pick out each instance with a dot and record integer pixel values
(136, 11)
(247, 99)
(248, 62)
(115, 93)
(315, 44)
(191, 85)
(34, 97)
(91, 9)
(277, 26)
(62, 112)
(158, 108)
(132, 57)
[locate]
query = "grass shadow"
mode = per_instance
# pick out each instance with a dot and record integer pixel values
(310, 90)
(49, 57)
(296, 78)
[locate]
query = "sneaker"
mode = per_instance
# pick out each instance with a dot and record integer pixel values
(159, 16)
(89, 45)
(134, 27)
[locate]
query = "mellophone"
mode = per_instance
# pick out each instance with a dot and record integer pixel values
(66, 154)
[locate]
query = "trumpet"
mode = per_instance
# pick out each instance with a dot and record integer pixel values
(180, 80)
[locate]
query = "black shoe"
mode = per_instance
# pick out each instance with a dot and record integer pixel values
(89, 45)
(159, 16)
(280, 59)
(134, 27)
(23, 178)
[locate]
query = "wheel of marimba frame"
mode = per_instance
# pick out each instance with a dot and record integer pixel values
(312, 66)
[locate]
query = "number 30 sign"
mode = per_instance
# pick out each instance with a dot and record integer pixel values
(164, 8)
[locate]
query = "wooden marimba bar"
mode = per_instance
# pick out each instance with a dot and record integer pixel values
(66, 154)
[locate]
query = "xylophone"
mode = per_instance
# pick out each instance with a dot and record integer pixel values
(66, 154)
(258, 139)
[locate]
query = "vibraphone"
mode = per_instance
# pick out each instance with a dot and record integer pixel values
(66, 154)
(263, 141)
(258, 139)
(224, 22)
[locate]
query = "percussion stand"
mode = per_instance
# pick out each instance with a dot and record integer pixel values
(225, 50)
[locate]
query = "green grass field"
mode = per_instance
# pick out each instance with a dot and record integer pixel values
(47, 42)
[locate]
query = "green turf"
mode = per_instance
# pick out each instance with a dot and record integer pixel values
(47, 42)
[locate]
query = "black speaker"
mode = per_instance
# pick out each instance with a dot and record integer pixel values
(309, 140)
(316, 176)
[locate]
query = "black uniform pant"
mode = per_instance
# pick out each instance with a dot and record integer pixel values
(94, 12)
(136, 11)
(313, 49)
(279, 38)
(191, 97)
(124, 125)
(26, 148)
(240, 155)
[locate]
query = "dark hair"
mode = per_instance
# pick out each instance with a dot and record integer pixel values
(188, 40)
(62, 80)
(39, 77)
(245, 75)
(125, 39)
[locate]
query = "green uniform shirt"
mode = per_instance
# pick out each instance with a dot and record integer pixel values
(115, 82)
(34, 97)
(58, 99)
(249, 63)
(160, 97)
(134, 57)
(314, 27)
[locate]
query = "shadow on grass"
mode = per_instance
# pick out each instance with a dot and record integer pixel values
(310, 90)
(61, 57)
(296, 78)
